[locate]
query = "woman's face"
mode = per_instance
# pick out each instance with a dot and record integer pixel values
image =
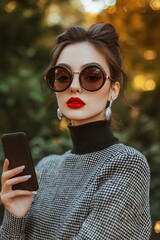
(92, 107)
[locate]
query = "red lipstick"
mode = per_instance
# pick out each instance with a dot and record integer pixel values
(75, 103)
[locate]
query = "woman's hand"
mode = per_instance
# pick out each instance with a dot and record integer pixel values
(17, 202)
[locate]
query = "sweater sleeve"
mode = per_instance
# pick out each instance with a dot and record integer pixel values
(120, 207)
(13, 228)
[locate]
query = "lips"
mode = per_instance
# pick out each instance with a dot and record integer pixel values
(75, 103)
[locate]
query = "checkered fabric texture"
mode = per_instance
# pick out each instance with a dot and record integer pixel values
(102, 195)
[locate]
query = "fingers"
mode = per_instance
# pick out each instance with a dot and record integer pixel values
(10, 173)
(15, 201)
(10, 182)
(15, 193)
(6, 164)
(10, 178)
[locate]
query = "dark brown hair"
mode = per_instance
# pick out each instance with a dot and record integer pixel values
(105, 39)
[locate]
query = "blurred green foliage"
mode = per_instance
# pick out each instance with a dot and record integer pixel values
(27, 37)
(28, 31)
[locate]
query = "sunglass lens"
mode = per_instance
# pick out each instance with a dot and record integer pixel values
(92, 78)
(59, 79)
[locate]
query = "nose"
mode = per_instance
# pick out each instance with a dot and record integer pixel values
(75, 85)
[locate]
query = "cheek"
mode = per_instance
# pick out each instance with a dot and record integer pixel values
(61, 101)
(103, 96)
(97, 101)
(101, 100)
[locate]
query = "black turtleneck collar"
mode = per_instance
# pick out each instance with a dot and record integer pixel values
(91, 137)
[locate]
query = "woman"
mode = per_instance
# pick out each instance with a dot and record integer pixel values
(99, 189)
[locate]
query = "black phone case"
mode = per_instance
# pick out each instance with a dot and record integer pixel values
(17, 151)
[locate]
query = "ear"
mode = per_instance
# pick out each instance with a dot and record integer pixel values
(114, 90)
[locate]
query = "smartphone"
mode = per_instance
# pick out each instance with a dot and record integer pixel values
(17, 151)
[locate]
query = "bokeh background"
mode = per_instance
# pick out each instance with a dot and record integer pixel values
(28, 30)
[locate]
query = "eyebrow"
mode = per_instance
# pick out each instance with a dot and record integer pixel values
(83, 66)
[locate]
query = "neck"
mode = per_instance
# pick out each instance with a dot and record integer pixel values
(91, 137)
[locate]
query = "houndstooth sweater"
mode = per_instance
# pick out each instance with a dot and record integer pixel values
(86, 194)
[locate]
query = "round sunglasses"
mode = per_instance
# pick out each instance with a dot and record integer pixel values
(91, 78)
